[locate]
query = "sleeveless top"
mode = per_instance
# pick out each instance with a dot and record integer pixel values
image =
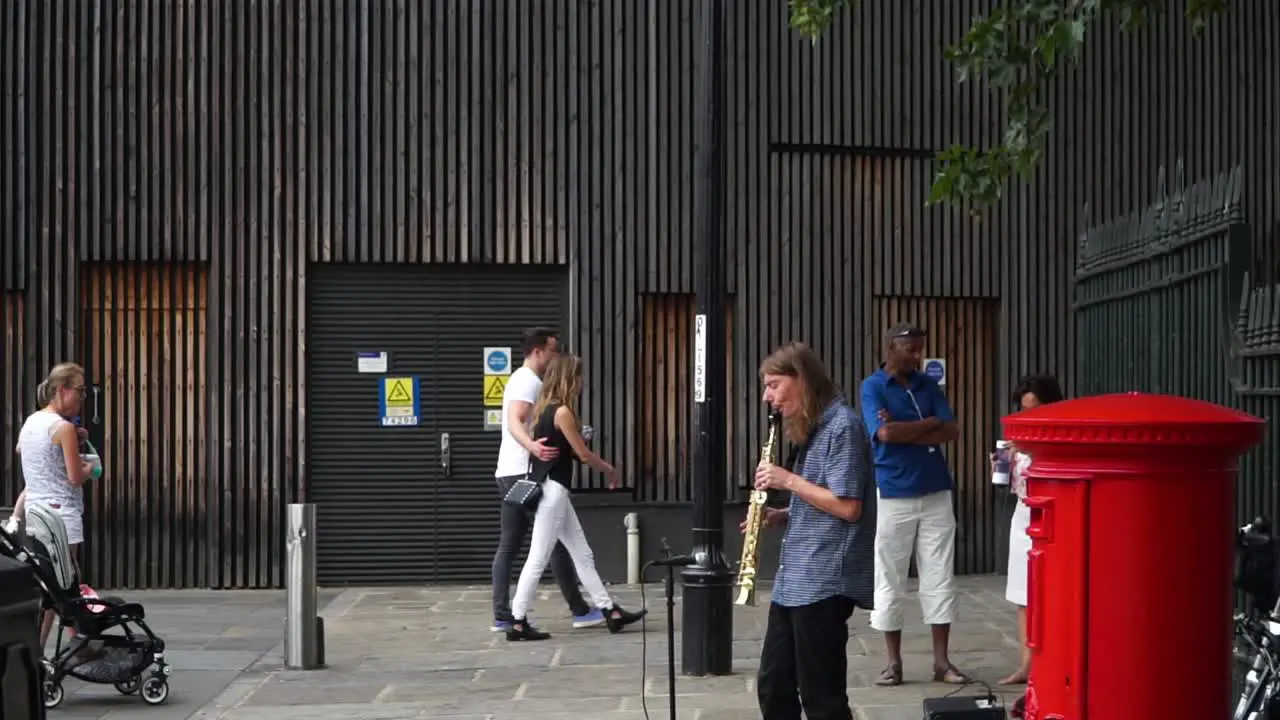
(560, 469)
(44, 467)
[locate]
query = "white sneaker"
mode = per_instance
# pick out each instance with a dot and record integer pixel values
(11, 525)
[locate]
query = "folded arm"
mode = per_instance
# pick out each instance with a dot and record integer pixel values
(913, 432)
(935, 430)
(944, 433)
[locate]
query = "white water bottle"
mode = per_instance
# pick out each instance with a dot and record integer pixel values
(1000, 473)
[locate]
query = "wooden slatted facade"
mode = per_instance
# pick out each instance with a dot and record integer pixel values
(225, 148)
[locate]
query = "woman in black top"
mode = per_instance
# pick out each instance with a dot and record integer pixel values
(554, 417)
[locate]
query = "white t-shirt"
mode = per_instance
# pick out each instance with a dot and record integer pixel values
(513, 459)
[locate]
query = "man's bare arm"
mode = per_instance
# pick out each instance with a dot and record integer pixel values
(948, 432)
(517, 417)
(907, 432)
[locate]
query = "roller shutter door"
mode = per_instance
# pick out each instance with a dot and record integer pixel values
(388, 510)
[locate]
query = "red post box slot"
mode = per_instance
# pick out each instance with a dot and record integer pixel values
(1035, 596)
(1041, 523)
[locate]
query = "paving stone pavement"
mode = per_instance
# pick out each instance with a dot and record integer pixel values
(212, 636)
(400, 653)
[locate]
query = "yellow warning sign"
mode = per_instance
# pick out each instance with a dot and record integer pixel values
(400, 402)
(494, 386)
(399, 392)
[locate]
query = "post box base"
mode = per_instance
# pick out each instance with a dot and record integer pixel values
(976, 707)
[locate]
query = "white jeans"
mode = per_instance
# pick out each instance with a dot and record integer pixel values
(556, 520)
(929, 524)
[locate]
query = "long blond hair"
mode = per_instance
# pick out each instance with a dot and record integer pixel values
(795, 360)
(560, 386)
(61, 377)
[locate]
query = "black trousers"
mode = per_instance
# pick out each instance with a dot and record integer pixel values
(516, 523)
(804, 663)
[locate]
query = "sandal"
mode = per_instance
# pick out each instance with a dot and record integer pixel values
(890, 676)
(950, 675)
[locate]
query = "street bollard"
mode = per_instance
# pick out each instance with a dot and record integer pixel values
(303, 627)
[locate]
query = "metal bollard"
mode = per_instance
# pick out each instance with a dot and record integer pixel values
(303, 628)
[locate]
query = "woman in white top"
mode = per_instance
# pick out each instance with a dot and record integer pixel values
(1032, 392)
(49, 447)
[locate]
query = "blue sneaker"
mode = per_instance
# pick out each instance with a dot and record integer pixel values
(595, 618)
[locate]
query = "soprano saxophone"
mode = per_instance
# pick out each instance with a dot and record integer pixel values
(755, 523)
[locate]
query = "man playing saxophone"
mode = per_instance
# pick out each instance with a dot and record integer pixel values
(825, 566)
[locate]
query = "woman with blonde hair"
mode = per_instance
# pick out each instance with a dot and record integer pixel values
(44, 395)
(49, 449)
(554, 417)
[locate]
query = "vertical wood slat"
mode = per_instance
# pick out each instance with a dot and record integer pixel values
(964, 333)
(17, 397)
(664, 471)
(145, 335)
(12, 139)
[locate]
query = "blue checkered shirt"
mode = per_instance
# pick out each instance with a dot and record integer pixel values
(823, 556)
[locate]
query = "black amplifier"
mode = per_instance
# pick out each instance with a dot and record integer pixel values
(979, 707)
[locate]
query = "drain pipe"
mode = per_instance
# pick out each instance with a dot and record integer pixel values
(632, 521)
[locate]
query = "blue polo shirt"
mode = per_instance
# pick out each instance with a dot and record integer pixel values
(905, 470)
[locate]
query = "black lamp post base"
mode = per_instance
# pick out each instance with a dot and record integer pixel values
(707, 634)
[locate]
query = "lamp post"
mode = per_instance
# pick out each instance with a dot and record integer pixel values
(707, 638)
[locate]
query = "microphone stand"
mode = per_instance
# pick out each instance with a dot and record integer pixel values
(671, 561)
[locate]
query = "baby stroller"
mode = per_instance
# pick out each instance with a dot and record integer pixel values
(119, 658)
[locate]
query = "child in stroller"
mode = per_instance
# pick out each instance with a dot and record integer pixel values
(125, 656)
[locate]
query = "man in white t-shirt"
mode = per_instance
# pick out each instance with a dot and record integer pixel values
(539, 346)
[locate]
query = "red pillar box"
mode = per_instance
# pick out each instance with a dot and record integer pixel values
(1132, 515)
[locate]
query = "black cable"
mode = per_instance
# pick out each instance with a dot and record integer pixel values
(670, 561)
(644, 644)
(995, 700)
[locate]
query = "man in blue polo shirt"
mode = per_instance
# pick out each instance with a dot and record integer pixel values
(908, 419)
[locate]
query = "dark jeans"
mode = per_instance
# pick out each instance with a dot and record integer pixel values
(516, 522)
(803, 662)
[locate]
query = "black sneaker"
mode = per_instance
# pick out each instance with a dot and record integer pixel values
(617, 618)
(522, 630)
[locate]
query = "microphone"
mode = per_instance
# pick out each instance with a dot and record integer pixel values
(674, 561)
(670, 559)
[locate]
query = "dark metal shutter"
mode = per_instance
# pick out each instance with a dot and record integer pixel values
(494, 305)
(386, 512)
(371, 485)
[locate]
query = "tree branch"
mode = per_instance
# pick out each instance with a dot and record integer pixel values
(1019, 47)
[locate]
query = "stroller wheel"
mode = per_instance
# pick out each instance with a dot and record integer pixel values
(53, 694)
(130, 686)
(155, 691)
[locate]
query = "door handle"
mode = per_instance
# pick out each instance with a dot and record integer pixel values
(446, 460)
(97, 405)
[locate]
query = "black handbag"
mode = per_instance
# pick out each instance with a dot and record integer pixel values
(525, 492)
